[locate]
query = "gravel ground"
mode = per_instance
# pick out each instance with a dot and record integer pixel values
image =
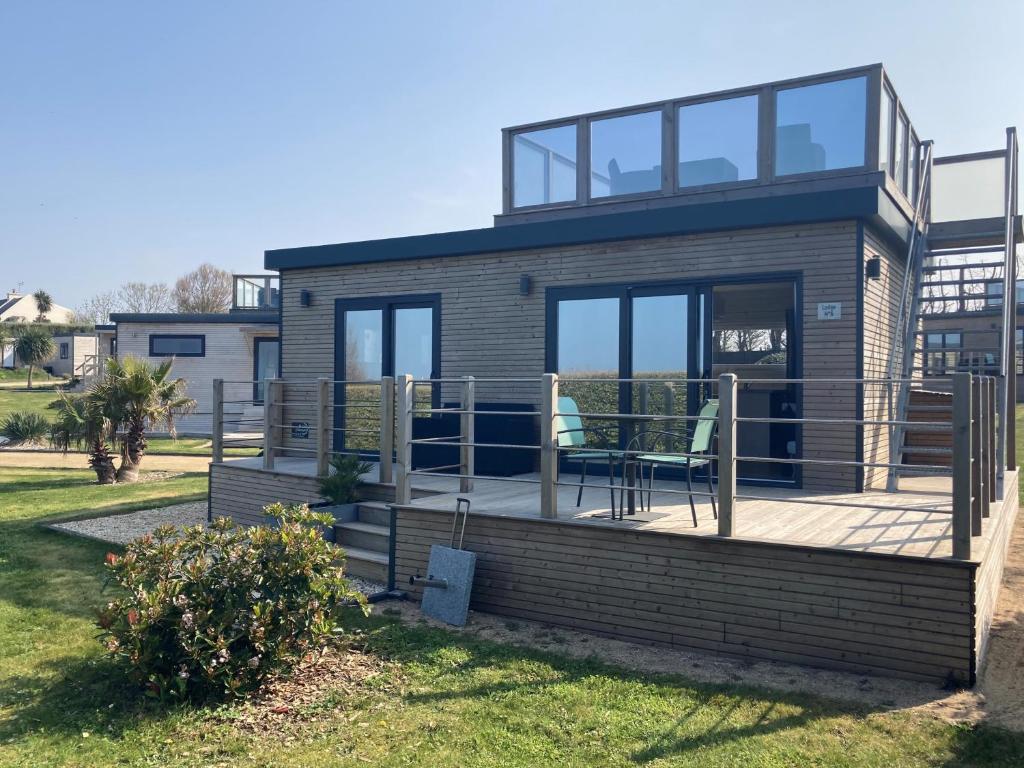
(120, 529)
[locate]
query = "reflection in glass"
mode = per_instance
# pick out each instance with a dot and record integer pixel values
(820, 127)
(660, 338)
(414, 342)
(544, 166)
(588, 337)
(885, 131)
(363, 344)
(625, 154)
(718, 141)
(750, 334)
(266, 363)
(900, 163)
(914, 164)
(968, 189)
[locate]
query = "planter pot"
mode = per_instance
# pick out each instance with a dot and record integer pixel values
(342, 513)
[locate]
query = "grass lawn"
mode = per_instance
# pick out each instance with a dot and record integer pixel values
(34, 400)
(449, 700)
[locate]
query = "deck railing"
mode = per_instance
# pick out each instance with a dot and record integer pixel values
(300, 421)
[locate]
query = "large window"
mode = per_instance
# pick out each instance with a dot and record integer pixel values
(63, 350)
(544, 166)
(717, 141)
(177, 345)
(820, 127)
(625, 155)
(265, 364)
(885, 130)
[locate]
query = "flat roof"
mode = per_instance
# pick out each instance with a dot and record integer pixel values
(868, 201)
(198, 318)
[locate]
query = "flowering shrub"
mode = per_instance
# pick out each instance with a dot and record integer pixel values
(215, 611)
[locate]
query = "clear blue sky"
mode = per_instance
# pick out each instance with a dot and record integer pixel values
(138, 140)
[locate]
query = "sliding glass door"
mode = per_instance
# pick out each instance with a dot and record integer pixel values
(660, 336)
(379, 337)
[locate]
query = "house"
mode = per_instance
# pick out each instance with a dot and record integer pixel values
(240, 346)
(716, 301)
(962, 325)
(74, 355)
(21, 308)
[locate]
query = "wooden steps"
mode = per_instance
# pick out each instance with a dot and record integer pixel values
(929, 447)
(366, 541)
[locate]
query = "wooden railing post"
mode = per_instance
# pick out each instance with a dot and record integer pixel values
(403, 442)
(272, 428)
(549, 447)
(977, 462)
(324, 424)
(993, 462)
(217, 437)
(726, 454)
(467, 431)
(387, 427)
(962, 466)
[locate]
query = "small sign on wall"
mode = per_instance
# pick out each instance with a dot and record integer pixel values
(830, 310)
(300, 430)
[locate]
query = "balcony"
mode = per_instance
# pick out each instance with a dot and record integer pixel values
(838, 124)
(256, 292)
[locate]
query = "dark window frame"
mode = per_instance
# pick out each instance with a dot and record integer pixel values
(178, 336)
(257, 340)
(64, 350)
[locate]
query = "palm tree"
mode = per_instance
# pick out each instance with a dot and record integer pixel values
(81, 422)
(135, 395)
(44, 303)
(33, 346)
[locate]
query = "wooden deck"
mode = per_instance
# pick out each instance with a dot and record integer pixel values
(858, 522)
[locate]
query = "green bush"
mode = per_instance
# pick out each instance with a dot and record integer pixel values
(214, 612)
(340, 486)
(24, 426)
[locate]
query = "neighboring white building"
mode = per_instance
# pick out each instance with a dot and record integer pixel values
(21, 308)
(74, 355)
(240, 347)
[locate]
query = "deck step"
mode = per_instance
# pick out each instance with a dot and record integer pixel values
(366, 563)
(374, 512)
(375, 538)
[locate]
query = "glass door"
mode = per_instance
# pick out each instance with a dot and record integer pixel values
(375, 338)
(265, 360)
(752, 333)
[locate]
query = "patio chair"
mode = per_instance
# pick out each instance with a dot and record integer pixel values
(570, 433)
(697, 444)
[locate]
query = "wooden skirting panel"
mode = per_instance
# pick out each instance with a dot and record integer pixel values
(990, 573)
(241, 493)
(889, 615)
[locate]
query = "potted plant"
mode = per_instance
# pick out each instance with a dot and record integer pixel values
(340, 486)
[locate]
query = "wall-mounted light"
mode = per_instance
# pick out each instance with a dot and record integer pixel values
(873, 268)
(524, 285)
(305, 298)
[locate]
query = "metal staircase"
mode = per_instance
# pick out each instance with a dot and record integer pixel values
(961, 272)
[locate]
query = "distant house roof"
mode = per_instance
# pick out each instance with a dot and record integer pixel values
(862, 202)
(227, 318)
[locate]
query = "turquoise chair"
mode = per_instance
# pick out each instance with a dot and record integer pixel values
(570, 433)
(699, 441)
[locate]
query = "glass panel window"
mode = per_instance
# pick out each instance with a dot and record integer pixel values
(885, 131)
(414, 341)
(968, 189)
(820, 127)
(718, 141)
(364, 345)
(544, 166)
(178, 345)
(625, 155)
(266, 364)
(914, 167)
(939, 360)
(1019, 356)
(63, 350)
(900, 153)
(993, 295)
(588, 337)
(660, 351)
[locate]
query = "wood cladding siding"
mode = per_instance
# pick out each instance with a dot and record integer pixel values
(242, 493)
(881, 309)
(989, 575)
(489, 330)
(860, 613)
(229, 356)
